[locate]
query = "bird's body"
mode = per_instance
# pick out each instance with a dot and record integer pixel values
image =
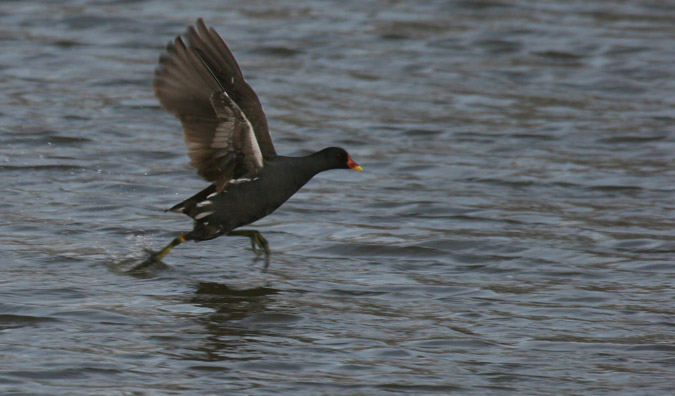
(246, 200)
(199, 81)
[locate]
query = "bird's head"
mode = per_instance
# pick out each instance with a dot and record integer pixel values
(340, 159)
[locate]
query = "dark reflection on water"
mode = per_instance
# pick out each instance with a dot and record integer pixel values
(512, 232)
(236, 314)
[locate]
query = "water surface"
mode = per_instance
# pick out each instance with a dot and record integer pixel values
(512, 233)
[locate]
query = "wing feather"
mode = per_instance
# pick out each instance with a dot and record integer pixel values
(225, 129)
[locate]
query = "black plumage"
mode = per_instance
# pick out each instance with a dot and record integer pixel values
(228, 140)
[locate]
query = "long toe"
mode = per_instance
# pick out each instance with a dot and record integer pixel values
(257, 244)
(264, 245)
(145, 264)
(267, 260)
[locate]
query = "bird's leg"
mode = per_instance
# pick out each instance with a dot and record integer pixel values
(259, 244)
(160, 254)
(175, 242)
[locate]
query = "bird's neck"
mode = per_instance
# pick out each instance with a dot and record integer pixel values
(315, 164)
(305, 168)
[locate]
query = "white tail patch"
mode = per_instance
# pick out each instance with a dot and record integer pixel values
(242, 180)
(212, 195)
(202, 215)
(203, 203)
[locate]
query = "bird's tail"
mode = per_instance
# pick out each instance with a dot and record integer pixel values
(189, 204)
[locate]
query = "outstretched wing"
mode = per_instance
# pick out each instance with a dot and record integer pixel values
(234, 142)
(199, 81)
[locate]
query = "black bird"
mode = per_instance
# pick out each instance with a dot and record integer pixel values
(199, 81)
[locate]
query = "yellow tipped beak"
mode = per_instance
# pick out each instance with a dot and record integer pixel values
(353, 165)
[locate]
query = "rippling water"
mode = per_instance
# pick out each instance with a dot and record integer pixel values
(512, 233)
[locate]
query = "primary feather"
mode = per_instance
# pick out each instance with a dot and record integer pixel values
(199, 81)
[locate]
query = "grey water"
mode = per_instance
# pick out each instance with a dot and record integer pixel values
(513, 231)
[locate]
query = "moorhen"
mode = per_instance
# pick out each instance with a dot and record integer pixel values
(228, 141)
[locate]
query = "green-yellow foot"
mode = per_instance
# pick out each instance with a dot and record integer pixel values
(155, 257)
(259, 244)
